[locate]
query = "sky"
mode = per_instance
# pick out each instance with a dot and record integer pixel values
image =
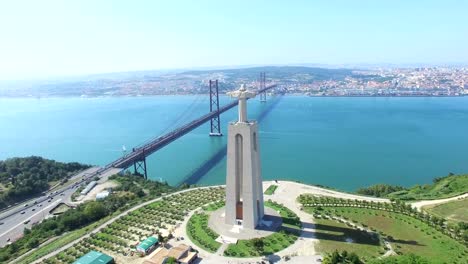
(41, 39)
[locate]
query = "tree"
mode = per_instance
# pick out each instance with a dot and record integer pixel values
(342, 258)
(258, 244)
(171, 260)
(94, 210)
(33, 243)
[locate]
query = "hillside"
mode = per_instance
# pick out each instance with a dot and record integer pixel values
(444, 187)
(22, 178)
(279, 72)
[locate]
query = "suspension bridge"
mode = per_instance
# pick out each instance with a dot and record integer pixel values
(137, 157)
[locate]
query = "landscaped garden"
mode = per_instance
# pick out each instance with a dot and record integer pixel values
(121, 236)
(336, 235)
(199, 232)
(407, 230)
(283, 238)
(271, 189)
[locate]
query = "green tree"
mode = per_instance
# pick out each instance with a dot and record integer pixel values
(33, 243)
(94, 210)
(171, 260)
(258, 244)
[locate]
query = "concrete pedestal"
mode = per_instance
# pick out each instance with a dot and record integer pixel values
(244, 191)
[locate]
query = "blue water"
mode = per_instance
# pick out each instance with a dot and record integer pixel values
(344, 143)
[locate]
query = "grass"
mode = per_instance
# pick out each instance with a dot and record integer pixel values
(214, 206)
(286, 236)
(271, 244)
(456, 211)
(442, 188)
(290, 219)
(406, 234)
(200, 234)
(271, 189)
(334, 235)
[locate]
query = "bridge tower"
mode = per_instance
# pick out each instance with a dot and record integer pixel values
(214, 106)
(262, 84)
(140, 165)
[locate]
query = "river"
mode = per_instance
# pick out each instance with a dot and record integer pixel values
(341, 142)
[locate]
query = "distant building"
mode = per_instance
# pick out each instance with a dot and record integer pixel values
(102, 195)
(147, 245)
(88, 187)
(95, 257)
(182, 253)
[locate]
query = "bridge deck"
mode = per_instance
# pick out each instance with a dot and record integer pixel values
(154, 145)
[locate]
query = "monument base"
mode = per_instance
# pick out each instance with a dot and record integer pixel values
(269, 224)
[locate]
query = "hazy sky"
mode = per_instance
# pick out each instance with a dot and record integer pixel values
(64, 37)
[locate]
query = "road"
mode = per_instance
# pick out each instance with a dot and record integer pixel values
(420, 204)
(15, 220)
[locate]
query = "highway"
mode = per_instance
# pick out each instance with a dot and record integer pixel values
(13, 221)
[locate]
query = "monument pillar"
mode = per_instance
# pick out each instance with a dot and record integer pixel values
(244, 191)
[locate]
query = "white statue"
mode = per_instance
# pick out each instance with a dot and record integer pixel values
(242, 95)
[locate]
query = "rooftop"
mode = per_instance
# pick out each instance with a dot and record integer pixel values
(94, 257)
(147, 243)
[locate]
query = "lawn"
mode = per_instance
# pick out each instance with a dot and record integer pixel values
(455, 211)
(406, 234)
(271, 244)
(286, 236)
(200, 234)
(290, 219)
(334, 235)
(271, 189)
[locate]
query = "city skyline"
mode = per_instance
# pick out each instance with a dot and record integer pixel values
(57, 38)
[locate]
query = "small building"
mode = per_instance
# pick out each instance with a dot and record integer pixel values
(95, 257)
(147, 245)
(88, 187)
(182, 253)
(102, 195)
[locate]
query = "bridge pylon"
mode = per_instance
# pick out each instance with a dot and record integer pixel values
(140, 165)
(215, 122)
(262, 84)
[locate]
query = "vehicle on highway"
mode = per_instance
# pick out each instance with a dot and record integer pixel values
(26, 222)
(23, 212)
(26, 205)
(1, 223)
(34, 209)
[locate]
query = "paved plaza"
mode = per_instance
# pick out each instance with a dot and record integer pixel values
(270, 223)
